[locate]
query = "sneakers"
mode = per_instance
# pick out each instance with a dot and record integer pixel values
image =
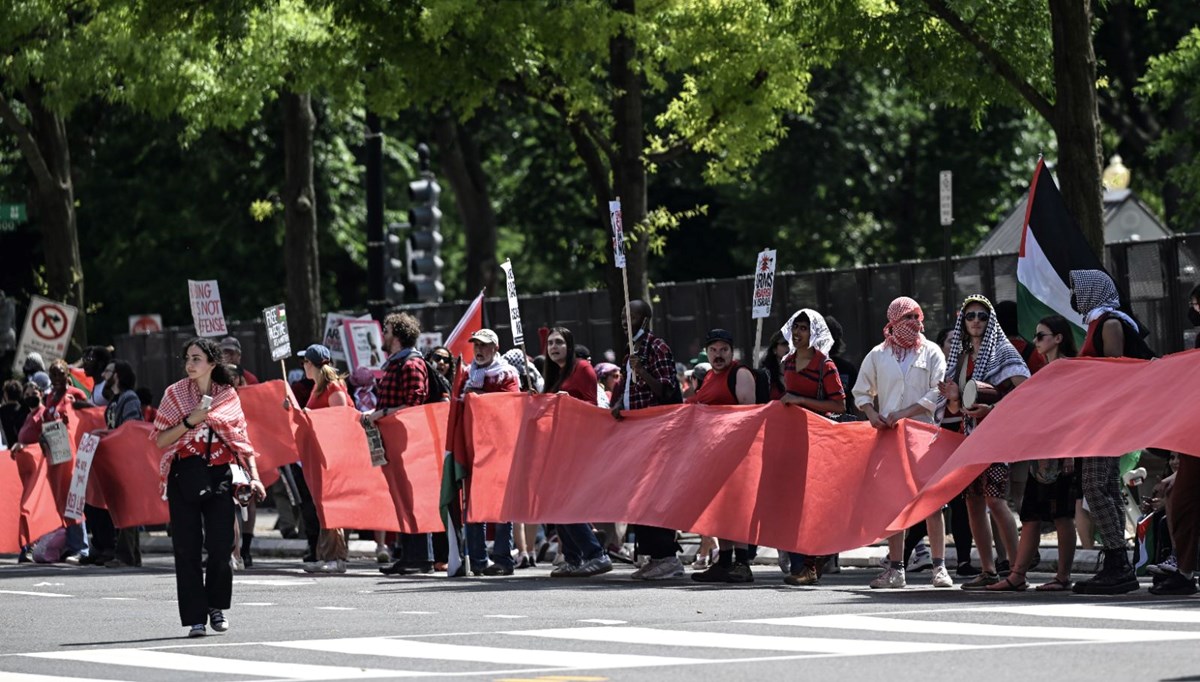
(1003, 568)
(74, 559)
(601, 564)
(566, 570)
(217, 619)
(335, 566)
(198, 630)
(982, 581)
(921, 559)
(941, 577)
(966, 570)
(806, 577)
(313, 566)
(497, 569)
(526, 562)
(1175, 584)
(382, 555)
(741, 573)
(715, 574)
(1166, 567)
(660, 569)
(892, 578)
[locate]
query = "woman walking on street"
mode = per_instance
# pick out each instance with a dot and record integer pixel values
(328, 391)
(201, 427)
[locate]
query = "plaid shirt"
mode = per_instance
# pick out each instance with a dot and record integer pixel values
(405, 380)
(656, 359)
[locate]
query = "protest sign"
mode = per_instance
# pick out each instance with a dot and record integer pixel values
(332, 338)
(514, 312)
(374, 442)
(47, 330)
(764, 284)
(618, 230)
(207, 314)
(79, 479)
(363, 344)
(275, 318)
(427, 341)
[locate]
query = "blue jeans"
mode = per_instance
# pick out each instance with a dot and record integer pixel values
(578, 542)
(77, 540)
(416, 548)
(501, 547)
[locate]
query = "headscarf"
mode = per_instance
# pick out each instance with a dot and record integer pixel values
(1095, 294)
(996, 361)
(899, 334)
(819, 336)
(226, 421)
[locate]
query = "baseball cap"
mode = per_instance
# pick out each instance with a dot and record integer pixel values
(317, 354)
(41, 380)
(583, 352)
(715, 335)
(486, 336)
(231, 343)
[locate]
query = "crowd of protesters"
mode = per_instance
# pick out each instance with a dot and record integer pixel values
(954, 381)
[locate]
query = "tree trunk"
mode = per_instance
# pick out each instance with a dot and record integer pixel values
(629, 169)
(300, 220)
(463, 168)
(55, 196)
(1076, 118)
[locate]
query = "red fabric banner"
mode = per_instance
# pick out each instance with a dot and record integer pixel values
(125, 472)
(27, 507)
(415, 443)
(347, 490)
(774, 475)
(271, 426)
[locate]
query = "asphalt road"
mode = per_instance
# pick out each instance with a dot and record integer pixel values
(58, 622)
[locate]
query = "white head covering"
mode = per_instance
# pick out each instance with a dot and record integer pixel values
(819, 336)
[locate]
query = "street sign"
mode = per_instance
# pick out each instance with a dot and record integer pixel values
(145, 324)
(275, 318)
(11, 215)
(945, 186)
(47, 330)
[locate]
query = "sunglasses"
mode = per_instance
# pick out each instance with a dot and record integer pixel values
(441, 358)
(981, 315)
(1041, 335)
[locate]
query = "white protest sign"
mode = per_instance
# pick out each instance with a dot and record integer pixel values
(427, 341)
(207, 314)
(275, 318)
(77, 496)
(764, 284)
(363, 344)
(514, 312)
(332, 338)
(614, 216)
(47, 330)
(946, 196)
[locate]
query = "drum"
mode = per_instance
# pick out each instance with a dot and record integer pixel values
(979, 393)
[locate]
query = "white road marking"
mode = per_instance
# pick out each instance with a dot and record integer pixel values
(275, 583)
(29, 677)
(603, 621)
(335, 608)
(417, 613)
(255, 603)
(403, 648)
(502, 615)
(118, 599)
(164, 660)
(962, 629)
(47, 584)
(1100, 611)
(35, 594)
(725, 640)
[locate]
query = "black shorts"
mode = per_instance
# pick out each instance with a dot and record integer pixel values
(1050, 501)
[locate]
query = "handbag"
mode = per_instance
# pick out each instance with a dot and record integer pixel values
(193, 476)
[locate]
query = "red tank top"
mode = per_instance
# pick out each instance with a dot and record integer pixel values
(715, 390)
(317, 401)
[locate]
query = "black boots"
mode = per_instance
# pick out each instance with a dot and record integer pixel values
(1116, 577)
(247, 540)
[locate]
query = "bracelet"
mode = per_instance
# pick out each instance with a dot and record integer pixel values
(186, 425)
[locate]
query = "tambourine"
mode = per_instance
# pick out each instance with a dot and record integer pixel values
(979, 393)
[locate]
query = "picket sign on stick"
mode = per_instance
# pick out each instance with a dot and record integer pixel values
(614, 216)
(275, 319)
(514, 312)
(764, 291)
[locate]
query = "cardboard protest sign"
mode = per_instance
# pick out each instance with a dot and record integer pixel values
(514, 312)
(47, 330)
(764, 284)
(275, 318)
(79, 480)
(363, 344)
(207, 315)
(332, 338)
(614, 216)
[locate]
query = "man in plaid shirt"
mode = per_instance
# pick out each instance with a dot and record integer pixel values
(405, 382)
(649, 380)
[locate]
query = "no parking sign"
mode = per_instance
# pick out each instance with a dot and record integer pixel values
(47, 330)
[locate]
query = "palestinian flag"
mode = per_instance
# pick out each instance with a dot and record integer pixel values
(454, 469)
(1052, 245)
(459, 341)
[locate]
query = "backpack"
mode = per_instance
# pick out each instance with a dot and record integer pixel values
(438, 389)
(762, 384)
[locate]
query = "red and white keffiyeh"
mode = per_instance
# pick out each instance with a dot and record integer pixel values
(226, 421)
(901, 335)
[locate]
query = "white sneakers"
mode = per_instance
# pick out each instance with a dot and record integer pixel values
(941, 577)
(890, 579)
(660, 569)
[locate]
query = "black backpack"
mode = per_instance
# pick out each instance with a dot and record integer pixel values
(438, 389)
(762, 384)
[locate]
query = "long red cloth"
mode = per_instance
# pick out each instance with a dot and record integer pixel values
(774, 475)
(347, 490)
(27, 507)
(125, 473)
(415, 443)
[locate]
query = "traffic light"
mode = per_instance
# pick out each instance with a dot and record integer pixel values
(393, 262)
(424, 244)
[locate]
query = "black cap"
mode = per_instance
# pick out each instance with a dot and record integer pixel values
(583, 352)
(718, 335)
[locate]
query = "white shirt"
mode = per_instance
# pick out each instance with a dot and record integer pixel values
(884, 378)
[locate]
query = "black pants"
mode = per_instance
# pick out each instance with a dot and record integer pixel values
(104, 535)
(659, 543)
(960, 528)
(129, 546)
(308, 512)
(202, 524)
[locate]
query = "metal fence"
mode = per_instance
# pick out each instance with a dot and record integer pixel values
(1155, 277)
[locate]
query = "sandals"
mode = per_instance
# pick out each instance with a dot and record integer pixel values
(1007, 585)
(1055, 585)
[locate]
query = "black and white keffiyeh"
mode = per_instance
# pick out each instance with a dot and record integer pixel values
(996, 361)
(1094, 294)
(819, 336)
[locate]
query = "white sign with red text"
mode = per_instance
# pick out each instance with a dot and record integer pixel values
(764, 284)
(77, 496)
(47, 330)
(207, 314)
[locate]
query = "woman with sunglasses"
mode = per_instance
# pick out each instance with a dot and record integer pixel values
(1052, 487)
(979, 350)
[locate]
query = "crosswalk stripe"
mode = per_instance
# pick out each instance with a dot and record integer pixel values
(411, 648)
(165, 660)
(725, 640)
(1100, 611)
(958, 628)
(30, 677)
